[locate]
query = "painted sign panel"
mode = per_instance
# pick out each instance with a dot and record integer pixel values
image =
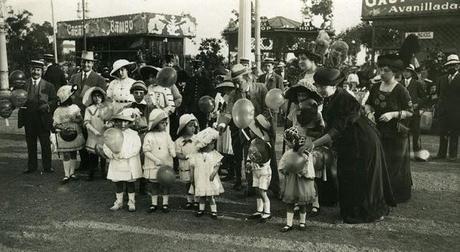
(391, 8)
(422, 35)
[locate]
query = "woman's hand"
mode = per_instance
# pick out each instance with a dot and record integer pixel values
(388, 116)
(307, 147)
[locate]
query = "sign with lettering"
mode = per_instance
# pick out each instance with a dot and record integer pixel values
(422, 35)
(392, 8)
(142, 23)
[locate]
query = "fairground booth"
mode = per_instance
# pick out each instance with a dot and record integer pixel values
(435, 22)
(136, 37)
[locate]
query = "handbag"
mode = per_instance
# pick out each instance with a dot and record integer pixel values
(401, 128)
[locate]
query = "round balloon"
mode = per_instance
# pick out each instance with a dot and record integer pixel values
(206, 104)
(17, 79)
(106, 111)
(274, 98)
(167, 77)
(166, 176)
(113, 138)
(422, 155)
(19, 97)
(243, 113)
(6, 108)
(294, 162)
(259, 151)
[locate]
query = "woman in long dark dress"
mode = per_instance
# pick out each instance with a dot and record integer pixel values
(364, 187)
(391, 103)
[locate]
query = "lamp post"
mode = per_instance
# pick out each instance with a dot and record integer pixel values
(257, 33)
(244, 30)
(4, 83)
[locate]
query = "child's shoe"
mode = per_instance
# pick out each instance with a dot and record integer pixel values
(152, 209)
(286, 229)
(265, 217)
(302, 227)
(131, 202)
(118, 204)
(165, 209)
(214, 215)
(255, 216)
(199, 213)
(65, 180)
(188, 205)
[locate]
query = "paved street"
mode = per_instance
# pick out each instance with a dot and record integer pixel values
(37, 213)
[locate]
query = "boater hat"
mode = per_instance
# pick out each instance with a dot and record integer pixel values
(452, 59)
(87, 55)
(238, 70)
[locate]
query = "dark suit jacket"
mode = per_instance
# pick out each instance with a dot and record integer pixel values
(39, 110)
(449, 102)
(93, 80)
(417, 93)
(55, 76)
(275, 81)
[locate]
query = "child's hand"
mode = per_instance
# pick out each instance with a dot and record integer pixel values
(213, 175)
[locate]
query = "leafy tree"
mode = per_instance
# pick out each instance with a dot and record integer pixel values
(322, 8)
(26, 40)
(210, 54)
(361, 34)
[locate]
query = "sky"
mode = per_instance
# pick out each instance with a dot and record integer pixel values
(212, 15)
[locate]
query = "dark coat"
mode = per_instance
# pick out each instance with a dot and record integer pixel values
(93, 80)
(449, 102)
(39, 109)
(275, 81)
(417, 93)
(55, 76)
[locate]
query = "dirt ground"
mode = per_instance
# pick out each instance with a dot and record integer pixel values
(37, 213)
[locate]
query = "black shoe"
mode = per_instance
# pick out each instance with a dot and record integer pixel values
(302, 227)
(65, 180)
(199, 213)
(255, 216)
(90, 178)
(313, 213)
(214, 215)
(152, 208)
(50, 170)
(265, 217)
(188, 205)
(165, 209)
(73, 177)
(29, 171)
(286, 229)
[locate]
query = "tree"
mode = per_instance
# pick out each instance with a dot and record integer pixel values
(321, 8)
(26, 40)
(356, 36)
(210, 54)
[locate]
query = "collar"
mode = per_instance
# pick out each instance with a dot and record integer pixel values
(453, 75)
(36, 80)
(87, 73)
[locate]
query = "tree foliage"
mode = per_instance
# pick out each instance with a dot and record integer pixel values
(210, 53)
(361, 34)
(26, 40)
(321, 8)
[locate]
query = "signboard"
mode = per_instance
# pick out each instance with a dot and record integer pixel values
(141, 23)
(400, 8)
(421, 35)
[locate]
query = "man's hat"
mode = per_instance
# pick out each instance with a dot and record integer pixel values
(269, 61)
(281, 64)
(260, 126)
(328, 77)
(37, 64)
(87, 55)
(48, 56)
(411, 68)
(238, 70)
(452, 59)
(227, 83)
(244, 61)
(138, 85)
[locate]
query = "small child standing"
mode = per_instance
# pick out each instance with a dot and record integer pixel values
(299, 187)
(125, 167)
(204, 166)
(259, 163)
(159, 150)
(188, 127)
(93, 99)
(67, 121)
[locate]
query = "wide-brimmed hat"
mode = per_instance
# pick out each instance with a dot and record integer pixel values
(303, 87)
(148, 70)
(87, 55)
(127, 114)
(238, 70)
(138, 85)
(328, 77)
(205, 137)
(393, 61)
(156, 116)
(87, 99)
(184, 120)
(37, 64)
(260, 126)
(65, 92)
(376, 79)
(117, 65)
(226, 84)
(411, 68)
(452, 59)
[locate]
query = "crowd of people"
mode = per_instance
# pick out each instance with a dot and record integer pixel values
(339, 146)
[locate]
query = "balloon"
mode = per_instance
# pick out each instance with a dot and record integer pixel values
(6, 108)
(167, 77)
(19, 97)
(113, 138)
(294, 162)
(68, 134)
(206, 104)
(106, 111)
(422, 155)
(17, 79)
(166, 176)
(243, 113)
(259, 151)
(274, 98)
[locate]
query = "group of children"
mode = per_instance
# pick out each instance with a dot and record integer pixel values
(146, 146)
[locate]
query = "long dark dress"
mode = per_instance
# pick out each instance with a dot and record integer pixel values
(395, 144)
(364, 187)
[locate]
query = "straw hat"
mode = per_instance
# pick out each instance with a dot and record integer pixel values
(260, 126)
(302, 87)
(156, 116)
(37, 64)
(127, 114)
(65, 92)
(117, 65)
(87, 99)
(452, 59)
(238, 70)
(184, 120)
(205, 137)
(87, 55)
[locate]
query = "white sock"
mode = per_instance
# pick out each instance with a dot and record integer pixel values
(165, 199)
(302, 217)
(201, 207)
(260, 205)
(289, 218)
(196, 199)
(266, 201)
(73, 164)
(189, 198)
(213, 208)
(154, 200)
(66, 165)
(315, 203)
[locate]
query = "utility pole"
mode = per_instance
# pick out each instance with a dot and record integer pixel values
(84, 23)
(244, 30)
(257, 34)
(54, 33)
(4, 82)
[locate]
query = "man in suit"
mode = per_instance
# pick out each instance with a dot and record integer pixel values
(418, 97)
(270, 78)
(85, 79)
(448, 109)
(255, 92)
(36, 117)
(53, 74)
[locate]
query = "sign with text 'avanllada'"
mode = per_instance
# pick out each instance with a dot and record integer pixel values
(400, 8)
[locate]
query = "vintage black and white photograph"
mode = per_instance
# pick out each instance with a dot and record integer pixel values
(229, 125)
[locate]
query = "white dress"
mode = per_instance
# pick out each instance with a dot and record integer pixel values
(203, 164)
(126, 165)
(119, 92)
(92, 117)
(185, 147)
(162, 147)
(67, 116)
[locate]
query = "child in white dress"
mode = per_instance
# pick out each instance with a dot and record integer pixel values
(125, 166)
(159, 150)
(67, 121)
(204, 166)
(188, 127)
